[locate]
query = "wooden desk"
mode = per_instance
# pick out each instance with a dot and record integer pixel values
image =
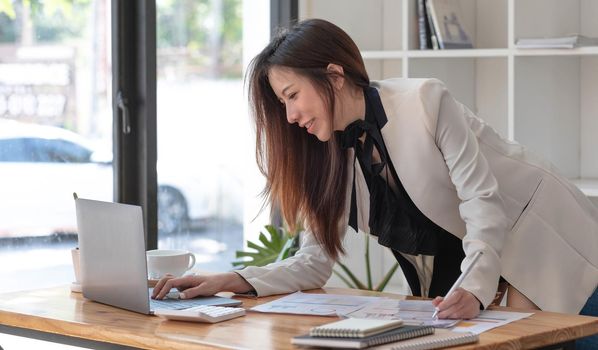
(58, 311)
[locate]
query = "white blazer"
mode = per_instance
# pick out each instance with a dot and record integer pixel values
(535, 228)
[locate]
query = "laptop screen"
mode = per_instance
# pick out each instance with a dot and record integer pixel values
(113, 261)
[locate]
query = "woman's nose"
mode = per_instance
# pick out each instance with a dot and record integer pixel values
(292, 115)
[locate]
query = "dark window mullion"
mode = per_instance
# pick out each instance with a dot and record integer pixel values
(134, 72)
(283, 13)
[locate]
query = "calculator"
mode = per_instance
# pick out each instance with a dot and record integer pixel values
(203, 313)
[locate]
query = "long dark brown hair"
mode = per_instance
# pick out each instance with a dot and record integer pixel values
(307, 178)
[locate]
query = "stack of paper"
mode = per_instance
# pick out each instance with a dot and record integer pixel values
(566, 42)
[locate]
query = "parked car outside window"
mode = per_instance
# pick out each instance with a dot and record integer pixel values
(41, 166)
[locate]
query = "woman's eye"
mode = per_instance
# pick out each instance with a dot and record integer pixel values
(292, 96)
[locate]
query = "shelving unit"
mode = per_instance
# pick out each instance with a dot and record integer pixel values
(545, 99)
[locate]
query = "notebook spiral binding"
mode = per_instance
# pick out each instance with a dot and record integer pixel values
(425, 344)
(420, 332)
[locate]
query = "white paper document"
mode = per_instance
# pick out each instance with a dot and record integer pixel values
(410, 311)
(420, 312)
(489, 319)
(413, 312)
(316, 304)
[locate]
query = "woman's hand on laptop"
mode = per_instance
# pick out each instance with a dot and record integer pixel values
(201, 285)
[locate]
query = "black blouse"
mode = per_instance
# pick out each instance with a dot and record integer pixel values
(394, 218)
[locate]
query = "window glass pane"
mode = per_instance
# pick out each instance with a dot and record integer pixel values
(206, 167)
(55, 132)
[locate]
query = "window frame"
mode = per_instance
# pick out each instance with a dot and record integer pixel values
(134, 78)
(134, 72)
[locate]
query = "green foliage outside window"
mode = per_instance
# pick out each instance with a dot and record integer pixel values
(51, 20)
(198, 37)
(206, 33)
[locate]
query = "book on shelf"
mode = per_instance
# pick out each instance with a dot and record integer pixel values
(564, 42)
(393, 335)
(354, 328)
(423, 25)
(449, 27)
(432, 33)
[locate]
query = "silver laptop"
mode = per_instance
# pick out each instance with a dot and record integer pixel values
(113, 261)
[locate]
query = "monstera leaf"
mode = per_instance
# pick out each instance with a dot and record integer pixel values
(278, 245)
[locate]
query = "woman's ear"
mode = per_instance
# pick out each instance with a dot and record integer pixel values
(337, 75)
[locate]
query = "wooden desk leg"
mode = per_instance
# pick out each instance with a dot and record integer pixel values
(62, 339)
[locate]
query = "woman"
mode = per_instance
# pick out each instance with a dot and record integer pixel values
(402, 160)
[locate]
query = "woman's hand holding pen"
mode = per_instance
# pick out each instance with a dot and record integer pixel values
(201, 285)
(459, 304)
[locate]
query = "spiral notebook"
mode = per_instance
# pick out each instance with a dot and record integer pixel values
(440, 339)
(393, 335)
(354, 328)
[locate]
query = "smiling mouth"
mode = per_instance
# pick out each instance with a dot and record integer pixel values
(309, 124)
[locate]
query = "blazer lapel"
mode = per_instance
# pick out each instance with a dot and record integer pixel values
(417, 160)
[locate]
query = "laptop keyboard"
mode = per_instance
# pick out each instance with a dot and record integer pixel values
(172, 301)
(174, 304)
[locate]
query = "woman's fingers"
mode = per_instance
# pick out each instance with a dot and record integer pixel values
(181, 283)
(160, 285)
(198, 290)
(437, 301)
(206, 285)
(460, 304)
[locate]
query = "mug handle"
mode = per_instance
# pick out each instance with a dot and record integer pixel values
(192, 263)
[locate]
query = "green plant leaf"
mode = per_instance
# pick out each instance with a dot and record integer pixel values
(353, 282)
(274, 245)
(255, 246)
(240, 254)
(387, 278)
(350, 274)
(286, 248)
(268, 243)
(368, 269)
(275, 235)
(347, 282)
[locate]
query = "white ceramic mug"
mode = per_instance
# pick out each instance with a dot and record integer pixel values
(168, 261)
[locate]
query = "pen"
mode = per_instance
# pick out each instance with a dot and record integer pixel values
(459, 280)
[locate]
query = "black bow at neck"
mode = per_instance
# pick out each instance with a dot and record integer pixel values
(391, 213)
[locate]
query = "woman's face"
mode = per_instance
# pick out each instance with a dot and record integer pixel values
(304, 105)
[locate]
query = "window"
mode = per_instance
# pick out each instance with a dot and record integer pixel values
(56, 91)
(56, 72)
(207, 193)
(55, 113)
